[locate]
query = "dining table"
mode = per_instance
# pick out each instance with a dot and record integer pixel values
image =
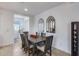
(36, 41)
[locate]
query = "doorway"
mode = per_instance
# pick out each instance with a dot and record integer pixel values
(21, 24)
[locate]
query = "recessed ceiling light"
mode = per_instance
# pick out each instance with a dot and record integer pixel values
(25, 9)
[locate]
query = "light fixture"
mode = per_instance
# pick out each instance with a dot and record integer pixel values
(25, 9)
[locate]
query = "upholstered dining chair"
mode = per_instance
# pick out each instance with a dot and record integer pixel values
(37, 34)
(47, 48)
(28, 46)
(23, 40)
(43, 34)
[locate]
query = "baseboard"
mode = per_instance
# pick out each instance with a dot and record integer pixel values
(6, 45)
(59, 52)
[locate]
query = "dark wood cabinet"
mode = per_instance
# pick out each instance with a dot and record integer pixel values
(75, 38)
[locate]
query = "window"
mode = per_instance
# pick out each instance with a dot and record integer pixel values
(21, 23)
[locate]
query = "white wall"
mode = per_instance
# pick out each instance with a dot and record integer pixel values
(6, 28)
(63, 14)
(31, 24)
(7, 33)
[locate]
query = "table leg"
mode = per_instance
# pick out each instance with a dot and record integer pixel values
(33, 49)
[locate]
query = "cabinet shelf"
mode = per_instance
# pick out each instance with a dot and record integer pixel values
(74, 39)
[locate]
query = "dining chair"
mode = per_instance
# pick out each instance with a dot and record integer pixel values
(37, 34)
(43, 34)
(46, 49)
(28, 46)
(23, 40)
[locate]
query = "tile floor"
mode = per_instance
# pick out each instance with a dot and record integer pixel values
(16, 50)
(12, 50)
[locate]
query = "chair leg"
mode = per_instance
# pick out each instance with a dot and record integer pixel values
(25, 49)
(22, 45)
(50, 52)
(34, 48)
(28, 52)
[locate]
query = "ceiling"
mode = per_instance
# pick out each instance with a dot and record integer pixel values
(34, 8)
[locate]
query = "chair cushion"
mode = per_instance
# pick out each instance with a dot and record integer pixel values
(42, 48)
(31, 46)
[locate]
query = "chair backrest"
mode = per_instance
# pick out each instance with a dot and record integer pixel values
(26, 39)
(48, 43)
(26, 33)
(43, 34)
(22, 38)
(37, 34)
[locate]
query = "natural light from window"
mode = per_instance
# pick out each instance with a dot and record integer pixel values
(21, 23)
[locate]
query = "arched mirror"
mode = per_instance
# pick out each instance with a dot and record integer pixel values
(41, 25)
(50, 24)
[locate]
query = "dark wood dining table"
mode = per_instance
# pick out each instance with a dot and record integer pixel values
(36, 41)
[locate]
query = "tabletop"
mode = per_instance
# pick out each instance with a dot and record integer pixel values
(36, 40)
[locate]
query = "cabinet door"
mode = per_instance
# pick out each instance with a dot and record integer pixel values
(75, 38)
